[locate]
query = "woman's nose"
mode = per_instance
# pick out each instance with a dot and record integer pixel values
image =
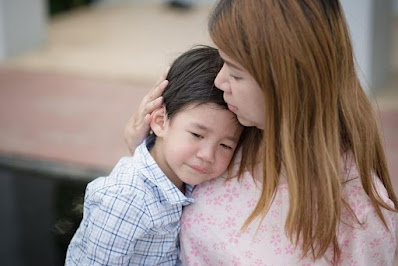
(222, 80)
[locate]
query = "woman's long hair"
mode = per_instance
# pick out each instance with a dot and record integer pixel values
(300, 54)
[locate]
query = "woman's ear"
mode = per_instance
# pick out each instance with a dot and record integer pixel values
(158, 121)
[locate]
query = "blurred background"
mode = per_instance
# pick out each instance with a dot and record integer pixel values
(73, 71)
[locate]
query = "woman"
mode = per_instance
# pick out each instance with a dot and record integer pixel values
(316, 190)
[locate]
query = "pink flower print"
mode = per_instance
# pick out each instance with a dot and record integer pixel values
(230, 222)
(278, 251)
(212, 181)
(356, 191)
(211, 220)
(220, 261)
(278, 202)
(218, 200)
(247, 185)
(209, 201)
(259, 262)
(364, 226)
(376, 255)
(247, 230)
(203, 247)
(345, 243)
(199, 218)
(375, 242)
(248, 254)
(351, 261)
(251, 203)
(233, 237)
(392, 248)
(228, 208)
(186, 222)
(275, 239)
(188, 211)
(274, 213)
(205, 228)
(223, 245)
(195, 250)
(358, 207)
(209, 191)
(306, 264)
(215, 246)
(238, 214)
(289, 249)
(381, 262)
(227, 184)
(275, 228)
(263, 228)
(206, 259)
(257, 240)
(235, 260)
(231, 193)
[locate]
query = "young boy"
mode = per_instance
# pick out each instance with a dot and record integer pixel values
(132, 217)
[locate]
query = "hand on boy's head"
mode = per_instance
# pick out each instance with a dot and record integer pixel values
(138, 126)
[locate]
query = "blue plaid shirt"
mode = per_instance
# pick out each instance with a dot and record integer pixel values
(131, 217)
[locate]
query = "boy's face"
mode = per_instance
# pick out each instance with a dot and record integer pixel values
(198, 143)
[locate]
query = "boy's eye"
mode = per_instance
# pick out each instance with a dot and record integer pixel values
(226, 147)
(196, 135)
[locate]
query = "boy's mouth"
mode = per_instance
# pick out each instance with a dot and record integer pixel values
(200, 170)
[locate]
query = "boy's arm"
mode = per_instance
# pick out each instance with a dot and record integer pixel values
(113, 220)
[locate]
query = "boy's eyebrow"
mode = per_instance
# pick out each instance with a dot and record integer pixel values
(203, 127)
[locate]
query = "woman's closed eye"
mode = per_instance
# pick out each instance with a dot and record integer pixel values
(235, 77)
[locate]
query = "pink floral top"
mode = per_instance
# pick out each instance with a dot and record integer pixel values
(210, 228)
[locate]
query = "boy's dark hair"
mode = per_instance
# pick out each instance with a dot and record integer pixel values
(191, 80)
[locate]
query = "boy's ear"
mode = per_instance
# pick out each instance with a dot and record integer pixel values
(158, 121)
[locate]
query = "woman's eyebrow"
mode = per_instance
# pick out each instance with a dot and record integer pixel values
(230, 64)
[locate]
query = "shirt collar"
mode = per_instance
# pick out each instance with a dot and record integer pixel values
(154, 174)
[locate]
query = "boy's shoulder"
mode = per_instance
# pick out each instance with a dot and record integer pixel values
(127, 180)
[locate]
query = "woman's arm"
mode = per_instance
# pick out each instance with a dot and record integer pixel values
(137, 127)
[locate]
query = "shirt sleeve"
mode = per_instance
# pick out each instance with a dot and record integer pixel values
(368, 243)
(114, 219)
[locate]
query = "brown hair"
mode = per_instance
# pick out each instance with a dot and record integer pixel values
(300, 54)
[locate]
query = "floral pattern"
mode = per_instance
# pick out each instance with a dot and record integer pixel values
(211, 227)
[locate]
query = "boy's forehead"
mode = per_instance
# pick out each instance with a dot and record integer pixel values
(214, 119)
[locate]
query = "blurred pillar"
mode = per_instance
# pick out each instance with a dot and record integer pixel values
(370, 23)
(22, 26)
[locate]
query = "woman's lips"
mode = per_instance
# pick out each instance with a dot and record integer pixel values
(232, 108)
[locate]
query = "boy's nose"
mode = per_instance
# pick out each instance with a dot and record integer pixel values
(222, 80)
(207, 153)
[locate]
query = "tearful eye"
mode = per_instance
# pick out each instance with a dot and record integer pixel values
(196, 135)
(226, 146)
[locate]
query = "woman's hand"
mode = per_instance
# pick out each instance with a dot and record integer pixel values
(138, 126)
